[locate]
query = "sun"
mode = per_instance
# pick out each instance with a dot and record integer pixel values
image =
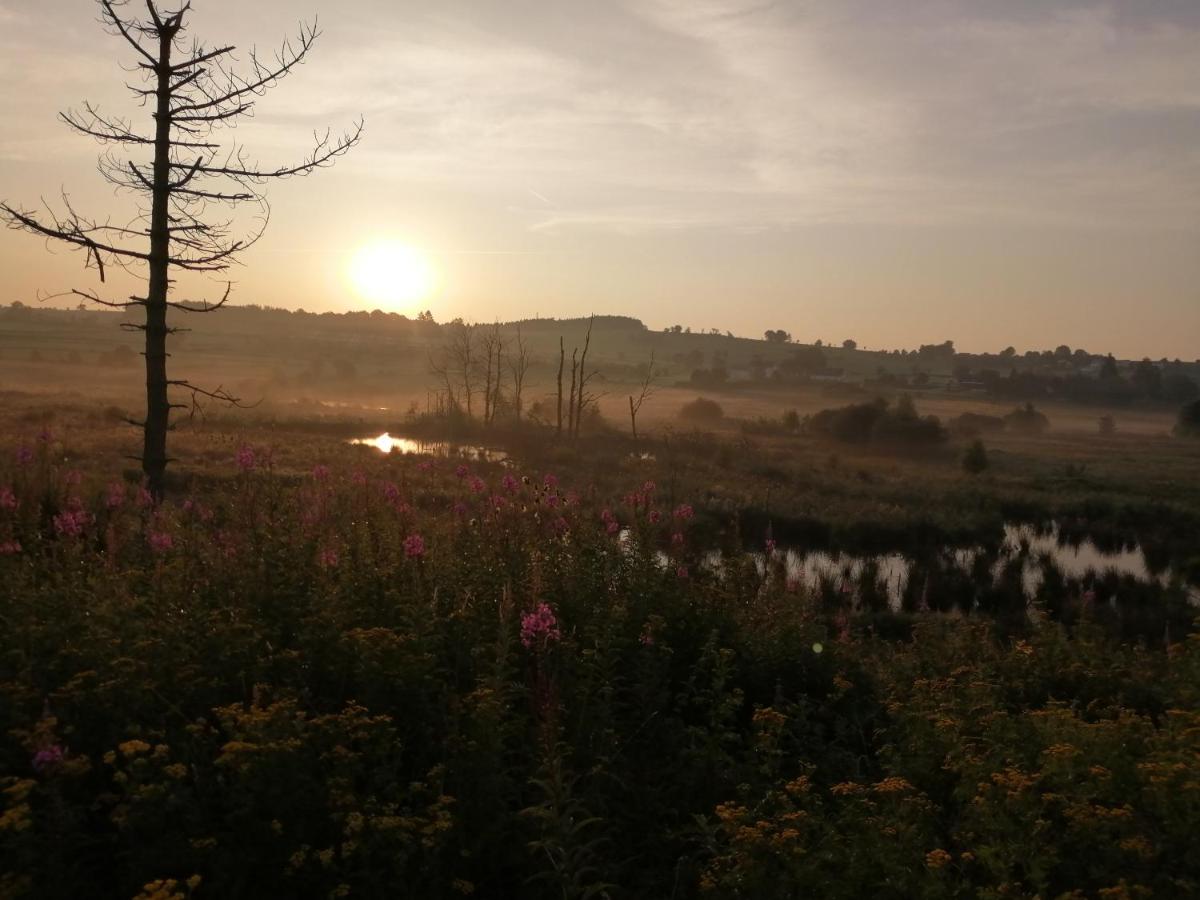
(392, 274)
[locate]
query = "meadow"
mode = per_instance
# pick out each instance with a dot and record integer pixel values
(318, 670)
(730, 657)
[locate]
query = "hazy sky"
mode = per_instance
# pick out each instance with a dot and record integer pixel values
(1007, 172)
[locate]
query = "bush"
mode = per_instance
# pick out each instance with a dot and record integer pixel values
(1189, 420)
(875, 422)
(975, 459)
(1026, 420)
(702, 411)
(1107, 425)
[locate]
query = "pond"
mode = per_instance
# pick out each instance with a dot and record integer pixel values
(386, 443)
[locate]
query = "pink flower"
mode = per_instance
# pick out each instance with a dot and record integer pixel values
(613, 527)
(320, 473)
(498, 502)
(460, 508)
(9, 548)
(793, 585)
(649, 487)
(71, 522)
(462, 471)
(327, 558)
(160, 541)
(510, 483)
(8, 500)
(245, 458)
(73, 478)
(44, 435)
(677, 539)
(391, 492)
(478, 485)
(561, 525)
(145, 498)
(655, 517)
(550, 481)
(684, 512)
(414, 546)
(425, 466)
(115, 498)
(1089, 596)
(48, 758)
(770, 546)
(24, 456)
(552, 501)
(646, 639)
(539, 626)
(359, 478)
(681, 573)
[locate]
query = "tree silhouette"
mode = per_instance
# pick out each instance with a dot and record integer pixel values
(187, 191)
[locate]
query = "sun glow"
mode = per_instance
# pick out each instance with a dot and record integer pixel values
(390, 273)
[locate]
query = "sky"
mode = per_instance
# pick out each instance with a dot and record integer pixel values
(1006, 172)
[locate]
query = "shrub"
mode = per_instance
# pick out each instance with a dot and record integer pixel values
(1189, 420)
(875, 422)
(1026, 420)
(702, 411)
(975, 459)
(1107, 425)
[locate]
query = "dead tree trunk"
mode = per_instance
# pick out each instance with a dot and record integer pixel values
(189, 175)
(562, 358)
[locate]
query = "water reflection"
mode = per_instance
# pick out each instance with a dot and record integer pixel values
(386, 443)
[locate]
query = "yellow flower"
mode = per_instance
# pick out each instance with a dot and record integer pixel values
(935, 859)
(133, 748)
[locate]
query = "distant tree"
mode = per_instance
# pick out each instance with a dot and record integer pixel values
(1108, 367)
(1189, 420)
(778, 336)
(790, 420)
(849, 344)
(1062, 352)
(1008, 352)
(1179, 388)
(195, 98)
(1107, 425)
(1026, 420)
(975, 459)
(1148, 379)
(702, 411)
(518, 367)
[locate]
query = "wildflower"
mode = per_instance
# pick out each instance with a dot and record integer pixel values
(613, 527)
(677, 539)
(24, 456)
(561, 525)
(9, 548)
(73, 478)
(509, 483)
(160, 541)
(391, 492)
(462, 471)
(145, 499)
(478, 485)
(655, 517)
(540, 625)
(792, 585)
(646, 639)
(327, 558)
(71, 522)
(1089, 596)
(935, 859)
(44, 435)
(552, 501)
(649, 487)
(684, 512)
(414, 546)
(320, 473)
(606, 515)
(425, 466)
(359, 478)
(550, 481)
(818, 648)
(770, 545)
(8, 500)
(48, 758)
(681, 573)
(245, 458)
(498, 502)
(460, 508)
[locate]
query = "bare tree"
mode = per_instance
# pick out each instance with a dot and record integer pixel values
(646, 390)
(193, 94)
(493, 350)
(583, 397)
(518, 365)
(457, 366)
(562, 358)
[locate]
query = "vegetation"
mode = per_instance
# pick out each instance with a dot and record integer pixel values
(701, 411)
(878, 422)
(467, 680)
(975, 459)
